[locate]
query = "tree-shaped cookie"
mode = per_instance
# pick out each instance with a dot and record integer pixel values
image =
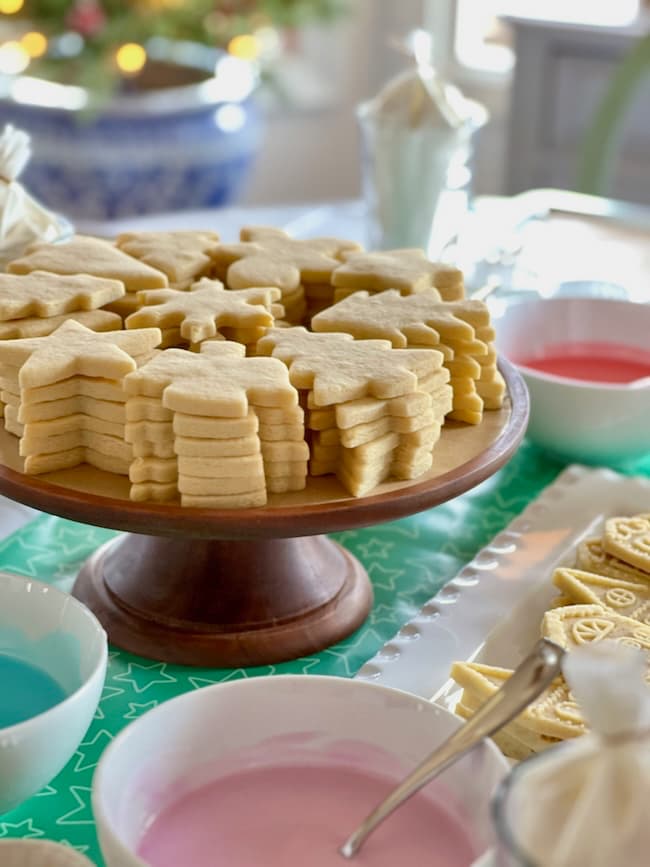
(85, 255)
(75, 350)
(629, 540)
(338, 368)
(408, 270)
(404, 320)
(205, 309)
(45, 295)
(269, 257)
(184, 256)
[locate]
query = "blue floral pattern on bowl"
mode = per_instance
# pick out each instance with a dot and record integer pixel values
(187, 148)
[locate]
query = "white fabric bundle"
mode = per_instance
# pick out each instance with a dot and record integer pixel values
(22, 219)
(416, 133)
(588, 803)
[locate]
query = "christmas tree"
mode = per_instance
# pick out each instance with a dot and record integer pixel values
(102, 43)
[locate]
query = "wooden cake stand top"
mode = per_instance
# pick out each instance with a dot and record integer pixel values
(464, 456)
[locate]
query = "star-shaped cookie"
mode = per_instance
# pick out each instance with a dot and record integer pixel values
(73, 350)
(205, 309)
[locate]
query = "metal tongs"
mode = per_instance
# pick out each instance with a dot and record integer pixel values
(525, 684)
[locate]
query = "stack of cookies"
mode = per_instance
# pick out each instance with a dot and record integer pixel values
(97, 258)
(34, 305)
(457, 329)
(376, 412)
(207, 312)
(183, 256)
(269, 257)
(409, 271)
(374, 407)
(221, 429)
(605, 597)
(64, 395)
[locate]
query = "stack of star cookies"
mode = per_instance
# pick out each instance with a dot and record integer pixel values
(218, 428)
(269, 257)
(374, 413)
(98, 258)
(34, 305)
(64, 395)
(458, 329)
(409, 271)
(206, 312)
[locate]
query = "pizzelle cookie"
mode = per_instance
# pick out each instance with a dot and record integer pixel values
(205, 310)
(592, 557)
(85, 255)
(184, 256)
(554, 714)
(624, 597)
(576, 625)
(407, 270)
(629, 540)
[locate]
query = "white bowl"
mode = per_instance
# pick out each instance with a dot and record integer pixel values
(590, 422)
(40, 853)
(56, 633)
(181, 744)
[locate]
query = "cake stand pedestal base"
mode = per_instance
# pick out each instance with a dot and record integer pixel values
(223, 603)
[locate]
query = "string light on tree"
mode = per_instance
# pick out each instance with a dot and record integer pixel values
(130, 58)
(34, 43)
(10, 7)
(245, 47)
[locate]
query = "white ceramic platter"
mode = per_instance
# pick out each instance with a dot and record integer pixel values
(492, 609)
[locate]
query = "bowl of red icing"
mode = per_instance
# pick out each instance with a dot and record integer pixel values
(278, 771)
(586, 362)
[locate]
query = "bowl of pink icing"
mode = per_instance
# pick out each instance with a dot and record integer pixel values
(277, 771)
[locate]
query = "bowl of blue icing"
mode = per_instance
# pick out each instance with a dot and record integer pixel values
(53, 654)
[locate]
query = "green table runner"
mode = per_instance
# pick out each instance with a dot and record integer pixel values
(407, 560)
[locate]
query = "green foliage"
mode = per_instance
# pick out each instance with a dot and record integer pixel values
(106, 24)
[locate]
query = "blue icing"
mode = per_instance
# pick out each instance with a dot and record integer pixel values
(25, 691)
(57, 654)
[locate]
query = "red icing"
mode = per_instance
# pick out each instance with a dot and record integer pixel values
(592, 362)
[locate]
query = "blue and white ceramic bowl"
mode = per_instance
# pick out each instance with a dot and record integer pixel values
(170, 149)
(52, 631)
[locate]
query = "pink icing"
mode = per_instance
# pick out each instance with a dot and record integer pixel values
(297, 815)
(594, 362)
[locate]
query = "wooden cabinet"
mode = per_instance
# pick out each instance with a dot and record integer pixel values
(562, 72)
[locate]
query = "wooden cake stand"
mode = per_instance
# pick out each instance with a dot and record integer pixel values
(252, 586)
